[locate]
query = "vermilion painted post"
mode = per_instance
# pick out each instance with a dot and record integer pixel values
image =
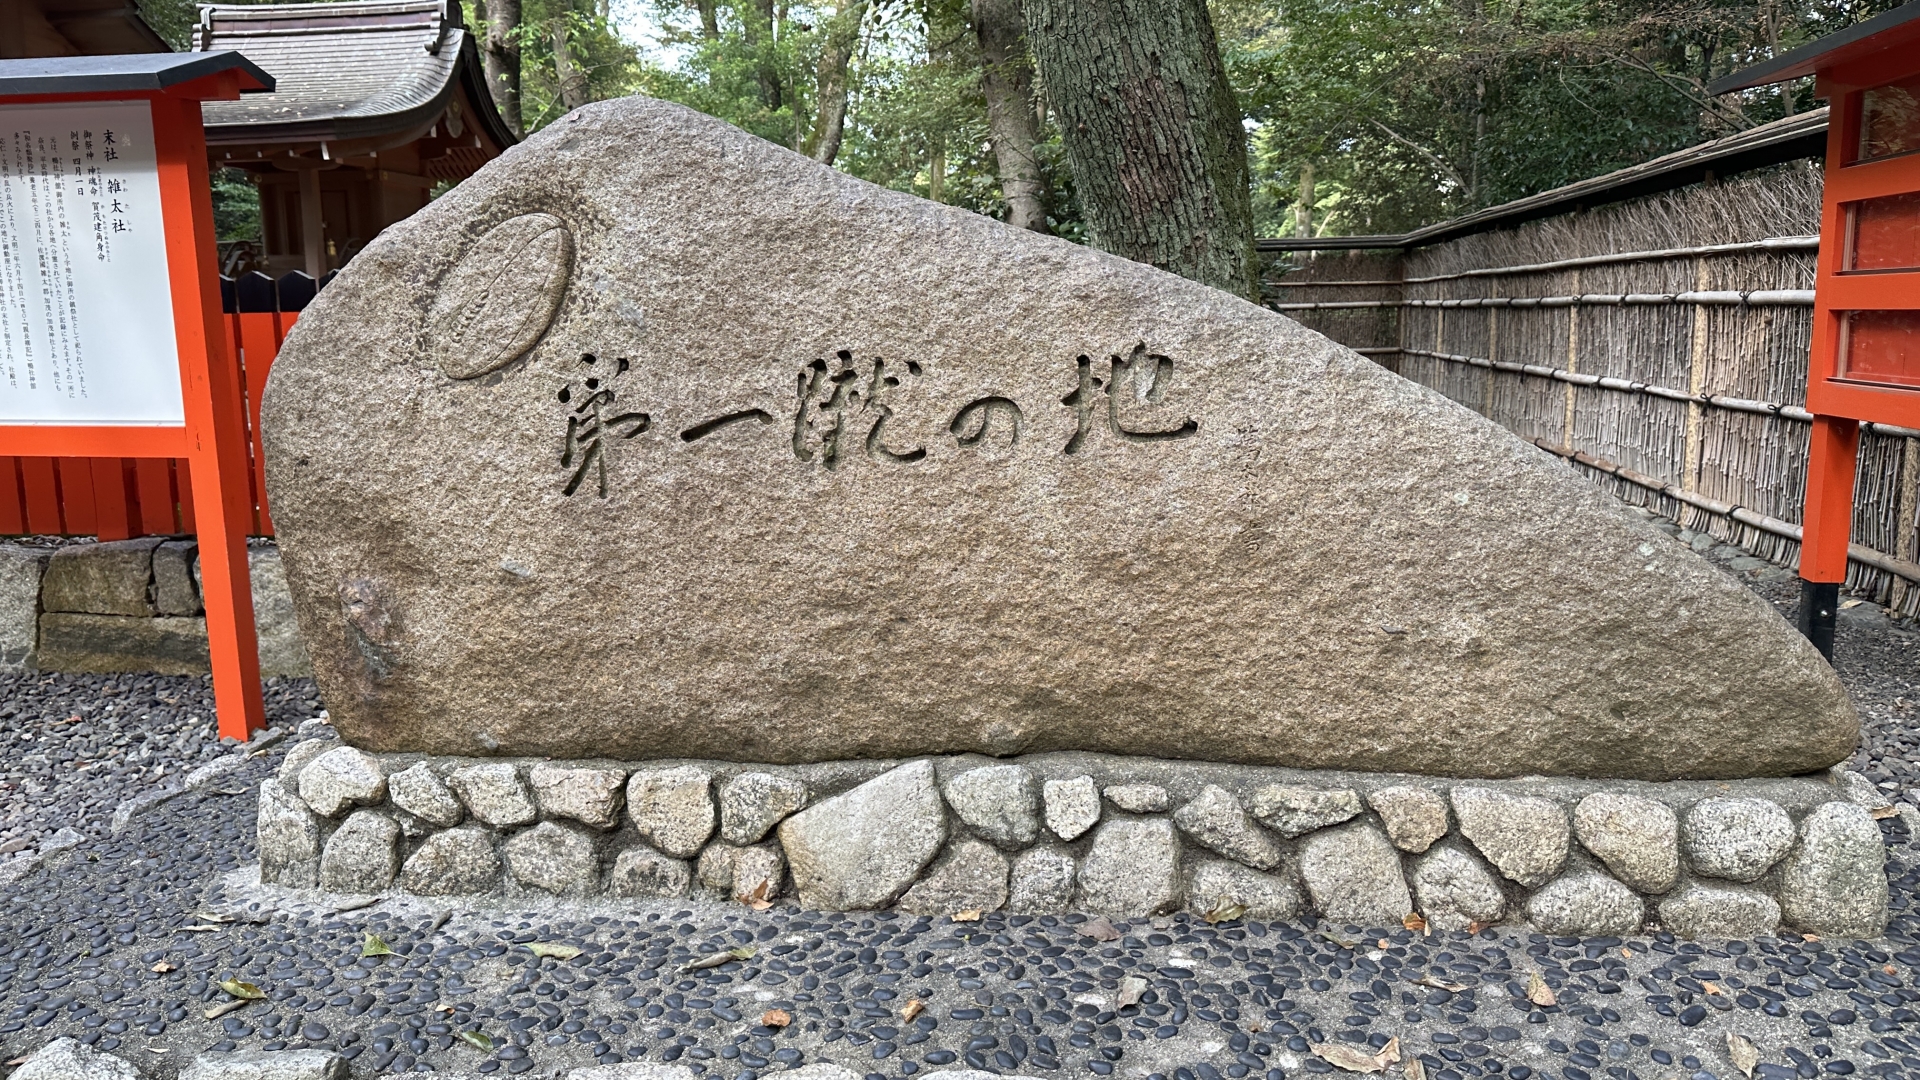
(216, 428)
(1827, 525)
(260, 336)
(210, 435)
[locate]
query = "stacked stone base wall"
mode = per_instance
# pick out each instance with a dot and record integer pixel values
(1120, 836)
(89, 608)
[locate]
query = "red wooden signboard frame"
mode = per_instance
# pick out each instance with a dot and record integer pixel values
(1840, 403)
(214, 437)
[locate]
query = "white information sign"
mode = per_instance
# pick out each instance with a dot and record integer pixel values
(86, 311)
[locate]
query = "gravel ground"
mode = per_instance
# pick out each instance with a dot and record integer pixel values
(123, 940)
(72, 747)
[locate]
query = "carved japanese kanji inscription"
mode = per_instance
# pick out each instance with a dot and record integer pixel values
(656, 440)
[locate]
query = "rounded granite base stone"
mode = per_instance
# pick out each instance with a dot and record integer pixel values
(1053, 833)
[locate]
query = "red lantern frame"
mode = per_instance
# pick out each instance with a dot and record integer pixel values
(1879, 52)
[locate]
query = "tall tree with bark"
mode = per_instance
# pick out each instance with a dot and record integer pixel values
(709, 18)
(503, 60)
(760, 28)
(567, 74)
(1006, 80)
(841, 38)
(1152, 133)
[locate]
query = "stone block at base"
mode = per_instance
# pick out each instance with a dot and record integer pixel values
(1122, 836)
(112, 578)
(80, 638)
(21, 569)
(104, 644)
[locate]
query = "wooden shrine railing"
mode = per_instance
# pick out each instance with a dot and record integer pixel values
(120, 498)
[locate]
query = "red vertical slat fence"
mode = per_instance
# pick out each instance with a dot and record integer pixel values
(120, 498)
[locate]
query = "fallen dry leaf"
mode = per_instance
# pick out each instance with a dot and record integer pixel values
(243, 990)
(913, 1008)
(1475, 927)
(1354, 1059)
(1414, 922)
(1888, 968)
(1131, 988)
(756, 897)
(1710, 988)
(162, 968)
(200, 928)
(479, 1040)
(1539, 992)
(1415, 1070)
(208, 916)
(1099, 930)
(1809, 937)
(1741, 1051)
(1343, 1056)
(375, 946)
(776, 1018)
(969, 915)
(1884, 812)
(224, 1008)
(1628, 953)
(548, 948)
(714, 960)
(1225, 911)
(1849, 605)
(1439, 984)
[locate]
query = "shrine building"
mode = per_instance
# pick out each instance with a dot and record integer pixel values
(376, 103)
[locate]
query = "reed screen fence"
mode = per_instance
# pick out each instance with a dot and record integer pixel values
(1658, 345)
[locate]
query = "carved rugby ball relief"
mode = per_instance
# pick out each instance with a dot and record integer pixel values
(500, 296)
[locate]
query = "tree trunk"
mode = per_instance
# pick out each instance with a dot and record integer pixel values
(573, 81)
(1303, 210)
(759, 29)
(1007, 82)
(1152, 133)
(836, 53)
(1771, 21)
(937, 172)
(709, 19)
(503, 60)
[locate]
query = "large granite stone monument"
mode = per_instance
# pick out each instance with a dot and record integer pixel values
(767, 502)
(656, 440)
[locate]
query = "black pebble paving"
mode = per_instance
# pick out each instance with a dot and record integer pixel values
(72, 747)
(99, 947)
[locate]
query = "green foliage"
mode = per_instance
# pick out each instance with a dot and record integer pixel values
(611, 64)
(914, 103)
(1412, 111)
(173, 20)
(1408, 111)
(236, 206)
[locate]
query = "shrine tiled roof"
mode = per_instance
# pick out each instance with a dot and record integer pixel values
(352, 70)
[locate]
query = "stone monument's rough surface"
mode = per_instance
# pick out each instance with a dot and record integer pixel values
(654, 439)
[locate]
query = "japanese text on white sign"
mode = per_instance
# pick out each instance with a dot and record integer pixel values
(86, 311)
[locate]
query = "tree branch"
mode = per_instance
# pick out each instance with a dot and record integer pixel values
(1734, 116)
(1431, 157)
